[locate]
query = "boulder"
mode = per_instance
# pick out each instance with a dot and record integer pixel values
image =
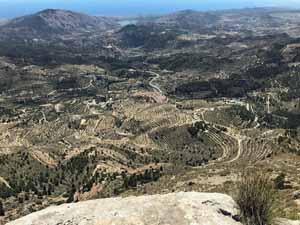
(296, 194)
(59, 108)
(171, 209)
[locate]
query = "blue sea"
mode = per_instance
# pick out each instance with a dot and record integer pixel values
(13, 8)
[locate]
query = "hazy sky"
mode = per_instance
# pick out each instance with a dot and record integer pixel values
(12, 8)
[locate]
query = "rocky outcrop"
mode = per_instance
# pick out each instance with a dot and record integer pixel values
(171, 209)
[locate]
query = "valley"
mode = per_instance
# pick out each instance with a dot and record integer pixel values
(91, 107)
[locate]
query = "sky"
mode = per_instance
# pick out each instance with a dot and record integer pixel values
(14, 8)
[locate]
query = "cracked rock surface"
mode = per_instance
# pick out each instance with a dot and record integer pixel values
(171, 209)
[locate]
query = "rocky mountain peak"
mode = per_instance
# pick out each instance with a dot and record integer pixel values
(55, 21)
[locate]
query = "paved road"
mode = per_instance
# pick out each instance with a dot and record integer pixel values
(153, 80)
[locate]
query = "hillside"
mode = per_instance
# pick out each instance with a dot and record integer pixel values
(178, 102)
(52, 22)
(189, 20)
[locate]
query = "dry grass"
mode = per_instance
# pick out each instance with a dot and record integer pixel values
(256, 198)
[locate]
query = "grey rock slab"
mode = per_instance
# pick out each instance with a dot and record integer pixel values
(190, 208)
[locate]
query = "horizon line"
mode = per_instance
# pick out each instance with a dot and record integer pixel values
(155, 14)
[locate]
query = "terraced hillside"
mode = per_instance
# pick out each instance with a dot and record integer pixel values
(159, 106)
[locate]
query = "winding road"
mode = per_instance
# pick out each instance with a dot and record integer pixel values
(154, 79)
(230, 132)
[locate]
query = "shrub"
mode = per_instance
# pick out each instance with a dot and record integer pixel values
(2, 212)
(279, 181)
(256, 198)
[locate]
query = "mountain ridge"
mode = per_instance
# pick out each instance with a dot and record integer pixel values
(52, 22)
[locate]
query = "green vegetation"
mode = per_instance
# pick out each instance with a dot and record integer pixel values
(256, 198)
(279, 181)
(80, 116)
